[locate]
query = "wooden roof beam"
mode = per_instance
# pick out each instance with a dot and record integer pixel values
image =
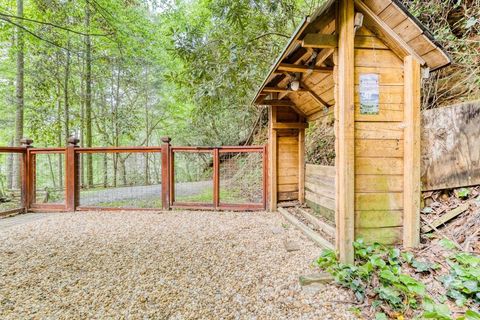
(278, 103)
(316, 40)
(284, 103)
(277, 89)
(290, 125)
(386, 34)
(300, 68)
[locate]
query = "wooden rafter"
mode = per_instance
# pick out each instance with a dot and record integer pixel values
(317, 40)
(278, 103)
(299, 68)
(314, 96)
(277, 89)
(323, 55)
(290, 125)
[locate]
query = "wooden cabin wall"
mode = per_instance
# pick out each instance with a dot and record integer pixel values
(379, 163)
(320, 190)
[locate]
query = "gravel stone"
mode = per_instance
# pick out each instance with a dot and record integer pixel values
(169, 265)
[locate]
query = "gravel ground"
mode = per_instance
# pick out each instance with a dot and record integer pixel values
(174, 265)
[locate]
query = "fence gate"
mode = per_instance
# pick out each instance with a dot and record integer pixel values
(132, 178)
(223, 178)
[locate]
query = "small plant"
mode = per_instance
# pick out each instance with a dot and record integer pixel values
(378, 278)
(463, 193)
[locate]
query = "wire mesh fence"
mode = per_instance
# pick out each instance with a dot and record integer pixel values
(10, 181)
(193, 177)
(120, 179)
(151, 178)
(49, 178)
(241, 177)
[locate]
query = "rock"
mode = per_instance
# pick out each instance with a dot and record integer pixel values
(276, 230)
(291, 245)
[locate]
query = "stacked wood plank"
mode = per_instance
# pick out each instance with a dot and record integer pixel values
(320, 189)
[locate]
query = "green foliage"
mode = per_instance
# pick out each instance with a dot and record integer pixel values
(463, 193)
(377, 275)
(463, 281)
(376, 264)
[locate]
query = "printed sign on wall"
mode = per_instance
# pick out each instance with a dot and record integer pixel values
(369, 93)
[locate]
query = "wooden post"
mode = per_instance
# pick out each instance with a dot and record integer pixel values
(166, 173)
(301, 165)
(265, 174)
(411, 172)
(216, 178)
(171, 176)
(345, 171)
(272, 163)
(72, 188)
(26, 192)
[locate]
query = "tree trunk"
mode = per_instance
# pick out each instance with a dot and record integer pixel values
(66, 111)
(10, 167)
(105, 170)
(82, 122)
(123, 171)
(60, 140)
(19, 92)
(147, 135)
(88, 98)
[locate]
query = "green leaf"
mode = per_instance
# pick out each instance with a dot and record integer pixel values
(470, 286)
(463, 193)
(421, 266)
(380, 316)
(467, 259)
(447, 244)
(388, 275)
(391, 295)
(436, 311)
(472, 315)
(412, 284)
(407, 256)
(377, 261)
(459, 298)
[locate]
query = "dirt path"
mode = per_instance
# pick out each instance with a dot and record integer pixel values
(173, 265)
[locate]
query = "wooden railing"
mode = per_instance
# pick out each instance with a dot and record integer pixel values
(71, 173)
(22, 166)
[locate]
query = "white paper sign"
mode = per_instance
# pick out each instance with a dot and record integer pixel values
(369, 93)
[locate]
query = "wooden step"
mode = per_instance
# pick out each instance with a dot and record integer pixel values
(312, 235)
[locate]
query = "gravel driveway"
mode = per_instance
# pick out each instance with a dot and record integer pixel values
(173, 265)
(135, 193)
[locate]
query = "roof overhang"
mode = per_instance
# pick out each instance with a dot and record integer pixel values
(441, 57)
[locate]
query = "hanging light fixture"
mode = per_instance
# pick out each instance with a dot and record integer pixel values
(295, 85)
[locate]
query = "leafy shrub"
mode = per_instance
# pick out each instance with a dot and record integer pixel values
(377, 276)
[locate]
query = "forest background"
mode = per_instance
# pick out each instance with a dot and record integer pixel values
(127, 72)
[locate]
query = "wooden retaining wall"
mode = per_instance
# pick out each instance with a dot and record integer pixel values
(320, 190)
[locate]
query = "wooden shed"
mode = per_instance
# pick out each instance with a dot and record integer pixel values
(360, 62)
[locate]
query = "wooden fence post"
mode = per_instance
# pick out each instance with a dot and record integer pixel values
(26, 174)
(166, 173)
(72, 188)
(216, 178)
(265, 176)
(411, 189)
(345, 137)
